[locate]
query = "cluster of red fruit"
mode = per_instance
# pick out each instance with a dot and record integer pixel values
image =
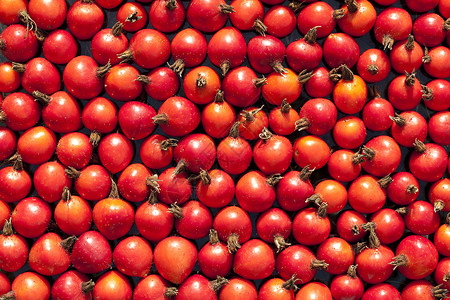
(228, 156)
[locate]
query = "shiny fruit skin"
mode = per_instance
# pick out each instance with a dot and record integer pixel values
(164, 83)
(238, 288)
(404, 189)
(74, 150)
(373, 65)
(93, 183)
(317, 14)
(70, 286)
(31, 217)
(254, 260)
(201, 93)
(437, 67)
(273, 155)
(219, 192)
(121, 83)
(133, 256)
(389, 225)
(74, 216)
(280, 21)
(430, 165)
(308, 228)
(227, 49)
(100, 115)
(134, 120)
(252, 121)
(166, 19)
(197, 151)
(63, 113)
(190, 46)
(382, 291)
(350, 95)
(282, 86)
(10, 12)
(376, 114)
(296, 259)
(196, 221)
(387, 156)
(305, 146)
(240, 88)
(283, 122)
(337, 253)
(345, 287)
(107, 44)
(415, 128)
(440, 91)
(30, 285)
(292, 191)
(110, 285)
(206, 15)
(421, 218)
(404, 96)
(254, 193)
(234, 155)
(153, 221)
(440, 191)
(149, 39)
(151, 287)
(113, 217)
(304, 54)
(373, 264)
(36, 145)
(174, 188)
(115, 152)
(439, 124)
(274, 289)
(196, 287)
(217, 119)
(359, 22)
(233, 220)
(346, 221)
(49, 181)
(339, 49)
(333, 193)
(246, 12)
(129, 8)
(13, 252)
(420, 254)
(215, 260)
(5, 212)
(319, 85)
(441, 271)
(314, 291)
(132, 183)
(421, 5)
(20, 111)
(14, 184)
(175, 258)
(84, 20)
(152, 154)
(81, 79)
(91, 253)
(9, 79)
(264, 52)
(47, 255)
(341, 166)
(175, 106)
(48, 15)
(365, 195)
(405, 59)
(393, 22)
(273, 223)
(349, 132)
(21, 44)
(37, 68)
(320, 113)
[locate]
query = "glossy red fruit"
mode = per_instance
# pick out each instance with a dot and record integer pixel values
(416, 257)
(201, 84)
(272, 153)
(73, 214)
(349, 132)
(442, 272)
(214, 259)
(115, 152)
(156, 151)
(91, 253)
(72, 284)
(274, 226)
(143, 39)
(109, 4)
(254, 260)
(50, 254)
(15, 183)
(208, 15)
(317, 116)
(255, 192)
(29, 285)
(347, 286)
(10, 12)
(434, 62)
(315, 14)
(5, 212)
(382, 156)
(421, 218)
(193, 220)
(277, 288)
(280, 21)
(340, 49)
(135, 183)
(422, 289)
(19, 111)
(247, 15)
(100, 115)
(333, 193)
(218, 117)
(238, 287)
(113, 217)
(403, 189)
(252, 120)
(108, 43)
(133, 16)
(215, 189)
(337, 253)
(167, 17)
(13, 249)
(314, 290)
(359, 17)
(84, 19)
(366, 195)
(311, 151)
(373, 65)
(374, 264)
(266, 53)
(444, 8)
(134, 119)
(406, 56)
(74, 150)
(283, 86)
(197, 287)
(83, 78)
(377, 112)
(319, 85)
(8, 143)
(9, 79)
(18, 44)
(234, 154)
(407, 127)
(151, 287)
(121, 83)
(348, 223)
(48, 15)
(154, 221)
(438, 128)
(189, 49)
(428, 161)
(133, 256)
(421, 5)
(282, 119)
(439, 195)
(389, 225)
(169, 120)
(293, 190)
(92, 183)
(61, 112)
(195, 152)
(112, 284)
(304, 53)
(350, 93)
(227, 49)
(31, 217)
(382, 291)
(175, 258)
(233, 225)
(311, 227)
(174, 187)
(36, 145)
(162, 83)
(392, 24)
(242, 87)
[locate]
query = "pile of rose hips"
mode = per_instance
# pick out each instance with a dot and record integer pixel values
(276, 157)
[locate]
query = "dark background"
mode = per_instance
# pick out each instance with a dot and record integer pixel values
(365, 42)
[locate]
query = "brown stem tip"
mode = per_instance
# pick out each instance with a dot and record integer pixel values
(260, 27)
(87, 286)
(233, 243)
(398, 261)
(177, 66)
(280, 243)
